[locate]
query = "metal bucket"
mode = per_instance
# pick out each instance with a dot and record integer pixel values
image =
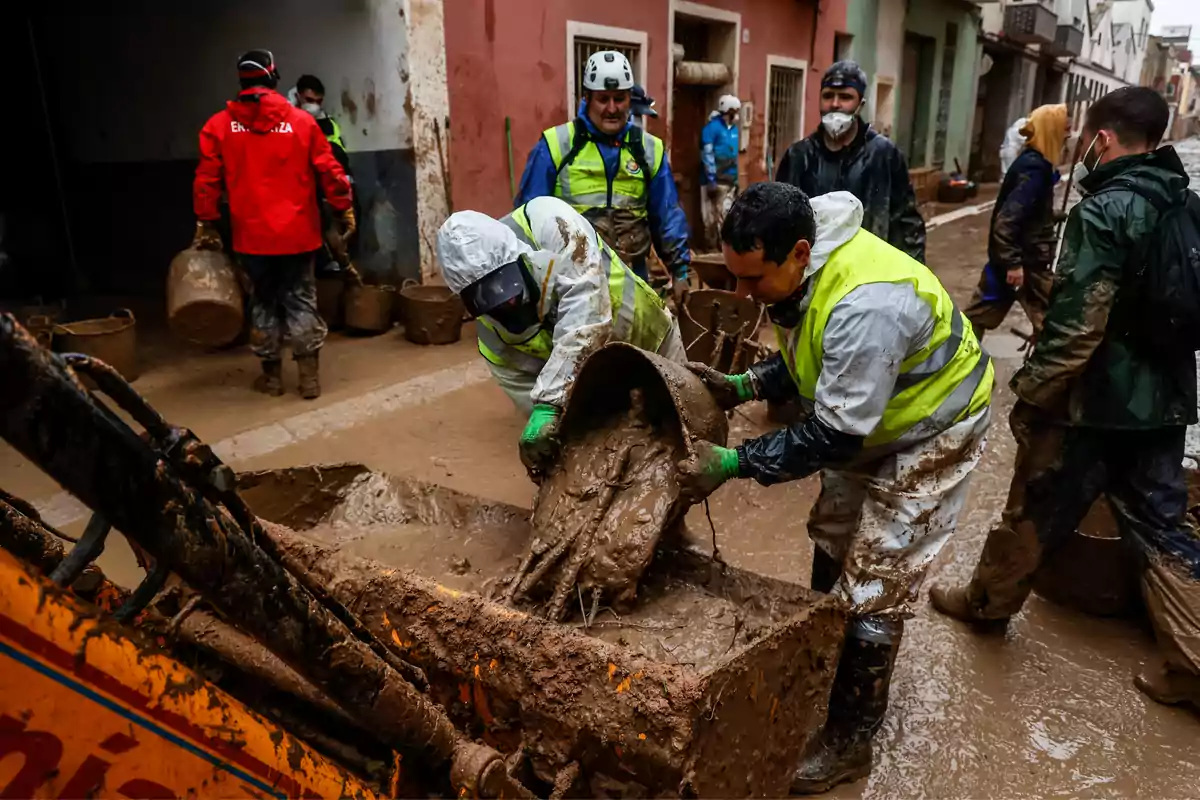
(718, 329)
(111, 339)
(330, 293)
(205, 305)
(431, 314)
(368, 309)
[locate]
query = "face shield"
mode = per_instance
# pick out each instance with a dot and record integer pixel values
(506, 296)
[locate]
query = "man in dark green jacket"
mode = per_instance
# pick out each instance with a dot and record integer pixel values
(1098, 410)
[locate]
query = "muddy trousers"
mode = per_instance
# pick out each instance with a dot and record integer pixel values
(886, 520)
(1060, 471)
(518, 384)
(994, 298)
(283, 305)
(713, 209)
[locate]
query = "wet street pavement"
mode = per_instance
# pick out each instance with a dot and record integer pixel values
(1048, 709)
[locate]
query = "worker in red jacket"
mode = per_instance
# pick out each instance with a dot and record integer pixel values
(267, 156)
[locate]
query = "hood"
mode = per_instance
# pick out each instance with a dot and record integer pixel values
(1160, 173)
(1046, 130)
(839, 217)
(471, 245)
(259, 109)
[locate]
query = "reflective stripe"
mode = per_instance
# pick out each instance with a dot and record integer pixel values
(511, 223)
(564, 135)
(650, 145)
(954, 406)
(936, 360)
(504, 353)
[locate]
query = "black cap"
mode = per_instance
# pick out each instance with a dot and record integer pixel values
(642, 105)
(257, 68)
(846, 74)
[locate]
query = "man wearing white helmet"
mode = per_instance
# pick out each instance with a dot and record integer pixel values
(545, 290)
(719, 157)
(614, 173)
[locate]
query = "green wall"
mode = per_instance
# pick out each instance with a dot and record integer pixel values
(929, 18)
(862, 16)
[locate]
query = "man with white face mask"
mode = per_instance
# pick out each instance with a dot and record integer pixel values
(545, 290)
(845, 154)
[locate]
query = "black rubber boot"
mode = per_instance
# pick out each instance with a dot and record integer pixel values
(310, 380)
(857, 703)
(271, 380)
(825, 570)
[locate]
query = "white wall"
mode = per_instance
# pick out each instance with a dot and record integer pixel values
(139, 82)
(1137, 14)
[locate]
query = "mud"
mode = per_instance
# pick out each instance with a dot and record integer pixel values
(719, 329)
(728, 718)
(431, 314)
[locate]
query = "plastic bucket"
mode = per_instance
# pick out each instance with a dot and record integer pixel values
(111, 339)
(368, 309)
(204, 299)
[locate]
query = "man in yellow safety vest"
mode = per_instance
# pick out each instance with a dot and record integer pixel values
(614, 173)
(898, 393)
(545, 290)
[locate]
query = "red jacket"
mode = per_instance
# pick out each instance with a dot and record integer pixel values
(268, 156)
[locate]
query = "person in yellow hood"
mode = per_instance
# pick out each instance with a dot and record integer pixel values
(1022, 241)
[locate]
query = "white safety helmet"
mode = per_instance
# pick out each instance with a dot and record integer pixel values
(607, 71)
(728, 103)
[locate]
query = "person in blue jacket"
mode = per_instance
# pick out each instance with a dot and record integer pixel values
(614, 173)
(719, 156)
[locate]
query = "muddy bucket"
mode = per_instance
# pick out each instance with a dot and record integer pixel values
(112, 339)
(711, 687)
(204, 299)
(330, 292)
(1093, 571)
(712, 271)
(431, 314)
(718, 329)
(368, 309)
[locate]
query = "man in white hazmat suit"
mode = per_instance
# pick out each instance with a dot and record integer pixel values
(898, 393)
(545, 291)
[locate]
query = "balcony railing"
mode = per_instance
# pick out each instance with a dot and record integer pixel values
(1068, 42)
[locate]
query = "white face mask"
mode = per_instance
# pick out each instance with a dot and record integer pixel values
(836, 123)
(311, 108)
(1081, 169)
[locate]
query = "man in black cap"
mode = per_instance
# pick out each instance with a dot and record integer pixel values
(844, 153)
(641, 106)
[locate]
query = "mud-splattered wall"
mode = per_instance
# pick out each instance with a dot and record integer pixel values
(135, 85)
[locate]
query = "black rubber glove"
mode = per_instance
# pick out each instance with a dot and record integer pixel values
(795, 452)
(774, 382)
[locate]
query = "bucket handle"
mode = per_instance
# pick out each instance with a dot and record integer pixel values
(407, 282)
(123, 313)
(61, 329)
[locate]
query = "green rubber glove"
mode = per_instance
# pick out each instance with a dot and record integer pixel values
(730, 391)
(710, 466)
(539, 442)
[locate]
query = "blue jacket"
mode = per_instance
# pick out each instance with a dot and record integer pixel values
(719, 152)
(668, 225)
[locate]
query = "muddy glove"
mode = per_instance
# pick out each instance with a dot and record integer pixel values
(349, 224)
(701, 474)
(730, 391)
(710, 189)
(679, 292)
(539, 440)
(207, 236)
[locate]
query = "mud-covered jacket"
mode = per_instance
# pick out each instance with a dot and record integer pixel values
(1087, 364)
(1022, 232)
(873, 170)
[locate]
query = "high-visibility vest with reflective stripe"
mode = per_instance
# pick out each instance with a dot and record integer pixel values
(945, 382)
(640, 316)
(584, 182)
(335, 134)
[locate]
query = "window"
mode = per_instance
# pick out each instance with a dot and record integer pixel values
(949, 54)
(842, 46)
(785, 110)
(584, 39)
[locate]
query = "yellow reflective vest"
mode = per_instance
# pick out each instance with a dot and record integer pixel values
(640, 317)
(947, 381)
(584, 184)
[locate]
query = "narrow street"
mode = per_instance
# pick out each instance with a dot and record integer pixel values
(1049, 709)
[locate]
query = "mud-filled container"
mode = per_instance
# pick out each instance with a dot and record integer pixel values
(368, 309)
(719, 327)
(111, 339)
(712, 686)
(431, 314)
(1094, 571)
(711, 269)
(331, 290)
(205, 305)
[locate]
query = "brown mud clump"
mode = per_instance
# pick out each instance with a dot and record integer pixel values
(603, 508)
